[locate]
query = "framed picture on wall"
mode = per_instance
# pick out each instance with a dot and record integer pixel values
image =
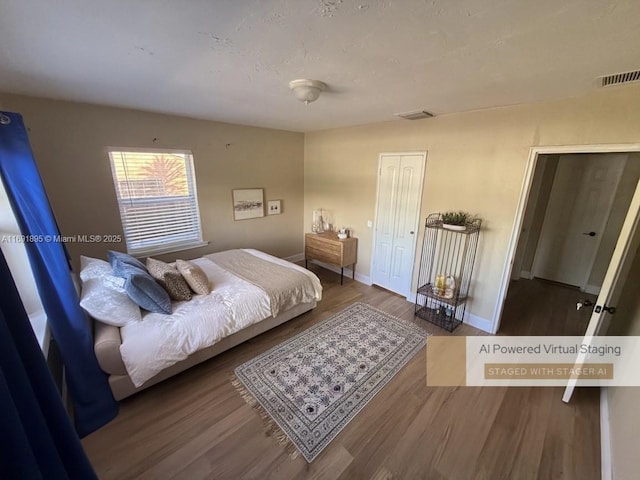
(248, 203)
(274, 207)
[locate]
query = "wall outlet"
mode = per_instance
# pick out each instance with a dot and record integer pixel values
(369, 223)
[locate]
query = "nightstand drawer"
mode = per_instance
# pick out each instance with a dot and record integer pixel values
(320, 243)
(313, 253)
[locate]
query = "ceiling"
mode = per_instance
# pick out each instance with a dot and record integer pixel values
(232, 60)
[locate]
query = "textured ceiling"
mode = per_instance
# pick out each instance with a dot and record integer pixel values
(232, 60)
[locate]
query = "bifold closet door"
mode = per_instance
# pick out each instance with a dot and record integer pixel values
(400, 179)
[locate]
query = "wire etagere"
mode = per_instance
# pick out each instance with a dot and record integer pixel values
(446, 265)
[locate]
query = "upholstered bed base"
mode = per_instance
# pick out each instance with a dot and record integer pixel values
(108, 340)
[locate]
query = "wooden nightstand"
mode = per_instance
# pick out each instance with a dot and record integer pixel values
(328, 248)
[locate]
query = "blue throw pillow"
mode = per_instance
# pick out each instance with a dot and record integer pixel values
(147, 293)
(126, 259)
(123, 270)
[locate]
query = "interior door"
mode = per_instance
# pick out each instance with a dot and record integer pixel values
(576, 216)
(614, 280)
(400, 179)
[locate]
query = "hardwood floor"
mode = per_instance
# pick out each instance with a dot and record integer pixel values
(197, 426)
(541, 307)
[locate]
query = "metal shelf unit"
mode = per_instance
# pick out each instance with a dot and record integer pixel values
(447, 258)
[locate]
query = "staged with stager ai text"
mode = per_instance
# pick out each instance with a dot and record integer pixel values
(533, 361)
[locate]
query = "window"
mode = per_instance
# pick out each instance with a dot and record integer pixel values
(156, 193)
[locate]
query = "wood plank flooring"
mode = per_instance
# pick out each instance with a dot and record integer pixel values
(196, 426)
(541, 307)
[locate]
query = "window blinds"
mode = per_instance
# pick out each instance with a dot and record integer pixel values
(156, 192)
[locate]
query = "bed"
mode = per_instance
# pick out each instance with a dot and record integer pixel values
(252, 292)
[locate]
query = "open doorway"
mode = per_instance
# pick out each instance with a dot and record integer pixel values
(575, 208)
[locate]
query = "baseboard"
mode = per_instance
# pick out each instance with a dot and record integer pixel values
(298, 257)
(478, 322)
(606, 471)
(470, 319)
(592, 289)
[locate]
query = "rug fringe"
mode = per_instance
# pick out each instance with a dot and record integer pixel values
(272, 429)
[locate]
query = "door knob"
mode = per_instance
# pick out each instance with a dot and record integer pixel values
(600, 308)
(411, 232)
(591, 234)
(583, 303)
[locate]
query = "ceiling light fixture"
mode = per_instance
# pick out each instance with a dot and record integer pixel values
(307, 90)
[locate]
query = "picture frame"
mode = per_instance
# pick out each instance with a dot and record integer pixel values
(274, 207)
(248, 203)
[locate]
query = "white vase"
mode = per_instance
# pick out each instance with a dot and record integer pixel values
(457, 228)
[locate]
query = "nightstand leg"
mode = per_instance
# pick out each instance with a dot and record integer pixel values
(341, 275)
(305, 264)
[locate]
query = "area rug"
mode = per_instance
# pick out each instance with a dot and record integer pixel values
(309, 387)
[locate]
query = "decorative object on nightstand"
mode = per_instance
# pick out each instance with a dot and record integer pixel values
(317, 225)
(328, 248)
(448, 255)
(321, 221)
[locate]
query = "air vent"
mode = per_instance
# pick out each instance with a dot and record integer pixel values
(620, 78)
(415, 115)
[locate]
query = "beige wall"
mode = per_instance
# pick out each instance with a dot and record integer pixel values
(476, 162)
(70, 143)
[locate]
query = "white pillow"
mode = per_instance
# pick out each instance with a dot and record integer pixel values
(93, 268)
(103, 295)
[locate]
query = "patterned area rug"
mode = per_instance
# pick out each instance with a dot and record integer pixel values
(313, 384)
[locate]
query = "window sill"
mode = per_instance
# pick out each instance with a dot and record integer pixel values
(169, 249)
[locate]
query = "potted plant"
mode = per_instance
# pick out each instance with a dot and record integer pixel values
(456, 220)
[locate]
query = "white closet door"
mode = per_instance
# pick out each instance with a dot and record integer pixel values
(400, 180)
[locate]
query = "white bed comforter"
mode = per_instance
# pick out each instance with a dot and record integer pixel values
(159, 341)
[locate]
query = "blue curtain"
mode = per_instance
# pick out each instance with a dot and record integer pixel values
(88, 386)
(38, 440)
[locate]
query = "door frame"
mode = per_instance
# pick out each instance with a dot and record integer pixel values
(527, 181)
(423, 153)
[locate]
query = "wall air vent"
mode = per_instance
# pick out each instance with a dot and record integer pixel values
(620, 78)
(415, 115)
